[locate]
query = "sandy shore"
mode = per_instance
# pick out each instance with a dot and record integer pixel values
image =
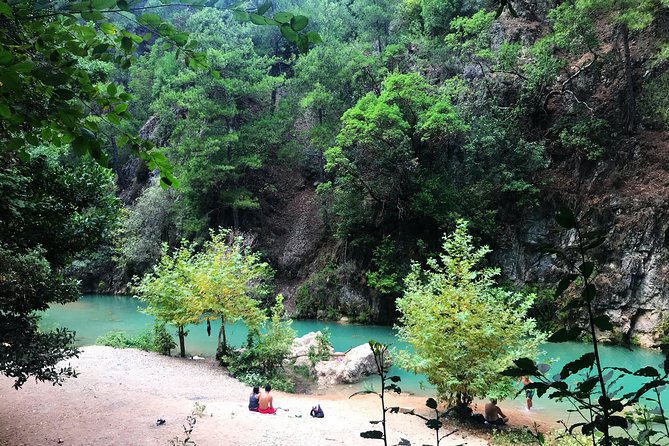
(120, 394)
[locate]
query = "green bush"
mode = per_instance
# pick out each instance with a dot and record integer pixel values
(320, 352)
(162, 339)
(116, 339)
(654, 105)
(262, 360)
(315, 292)
(524, 437)
(155, 339)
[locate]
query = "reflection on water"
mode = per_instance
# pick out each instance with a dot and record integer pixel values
(93, 316)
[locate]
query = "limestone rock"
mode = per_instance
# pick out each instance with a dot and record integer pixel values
(355, 365)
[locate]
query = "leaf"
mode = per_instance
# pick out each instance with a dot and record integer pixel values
(431, 403)
(257, 19)
(564, 284)
(6, 10)
(565, 218)
(603, 322)
(283, 17)
(102, 4)
(299, 22)
(120, 108)
(24, 156)
(92, 15)
(434, 424)
(264, 7)
(647, 371)
(303, 44)
(240, 16)
(616, 420)
(5, 57)
(126, 44)
(122, 140)
(288, 33)
(362, 392)
(584, 362)
(565, 335)
(543, 368)
(314, 38)
(395, 379)
(113, 118)
(149, 19)
(377, 435)
(5, 112)
(587, 269)
(80, 145)
(23, 67)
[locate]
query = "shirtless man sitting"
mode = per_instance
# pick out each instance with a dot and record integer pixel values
(494, 415)
(265, 401)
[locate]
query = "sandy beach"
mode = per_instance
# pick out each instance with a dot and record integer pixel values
(120, 394)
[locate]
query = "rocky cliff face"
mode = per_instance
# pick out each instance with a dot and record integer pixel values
(629, 195)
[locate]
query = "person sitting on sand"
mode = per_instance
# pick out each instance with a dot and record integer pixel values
(266, 401)
(253, 399)
(529, 393)
(494, 415)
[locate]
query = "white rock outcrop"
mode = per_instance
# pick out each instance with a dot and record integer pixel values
(352, 367)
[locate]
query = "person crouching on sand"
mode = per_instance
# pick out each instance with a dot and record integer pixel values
(265, 401)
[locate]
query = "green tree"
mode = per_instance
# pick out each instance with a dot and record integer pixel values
(387, 144)
(230, 282)
(52, 208)
(169, 290)
(464, 329)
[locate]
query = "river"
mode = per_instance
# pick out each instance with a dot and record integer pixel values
(95, 315)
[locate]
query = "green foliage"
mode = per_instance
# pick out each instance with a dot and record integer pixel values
(385, 143)
(385, 278)
(464, 330)
(230, 281)
(269, 345)
(169, 290)
(655, 102)
(588, 137)
(163, 342)
(52, 208)
(320, 352)
(118, 339)
(525, 437)
(149, 223)
(604, 410)
(315, 293)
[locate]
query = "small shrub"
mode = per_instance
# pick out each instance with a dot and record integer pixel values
(320, 352)
(116, 339)
(162, 339)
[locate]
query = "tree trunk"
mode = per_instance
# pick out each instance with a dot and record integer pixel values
(222, 339)
(182, 341)
(629, 106)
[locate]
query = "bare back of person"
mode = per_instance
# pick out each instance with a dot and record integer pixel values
(265, 401)
(494, 414)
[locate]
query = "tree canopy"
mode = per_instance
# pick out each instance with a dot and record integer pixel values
(463, 328)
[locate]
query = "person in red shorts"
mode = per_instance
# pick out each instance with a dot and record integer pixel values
(265, 401)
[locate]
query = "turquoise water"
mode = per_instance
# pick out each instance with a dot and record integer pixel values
(93, 316)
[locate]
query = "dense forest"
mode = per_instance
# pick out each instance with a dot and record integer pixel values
(346, 137)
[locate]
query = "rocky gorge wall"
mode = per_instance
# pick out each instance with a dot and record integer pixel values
(629, 195)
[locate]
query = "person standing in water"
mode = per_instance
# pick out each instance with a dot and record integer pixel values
(529, 393)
